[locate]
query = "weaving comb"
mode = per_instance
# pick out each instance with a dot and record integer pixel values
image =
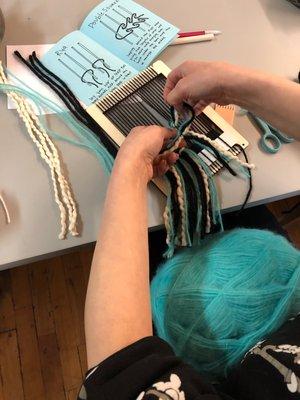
(139, 101)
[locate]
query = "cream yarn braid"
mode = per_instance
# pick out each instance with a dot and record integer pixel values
(5, 208)
(48, 151)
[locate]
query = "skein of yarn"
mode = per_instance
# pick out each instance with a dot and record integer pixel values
(213, 302)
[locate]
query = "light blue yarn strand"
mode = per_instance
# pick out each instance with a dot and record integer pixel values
(87, 138)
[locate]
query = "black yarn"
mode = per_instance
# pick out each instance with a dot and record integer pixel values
(195, 142)
(202, 190)
(174, 203)
(250, 180)
(68, 98)
(191, 205)
(57, 78)
(47, 81)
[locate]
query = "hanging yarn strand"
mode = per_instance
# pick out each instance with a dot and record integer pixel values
(48, 151)
(193, 195)
(62, 90)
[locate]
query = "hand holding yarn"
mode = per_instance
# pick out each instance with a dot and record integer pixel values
(142, 147)
(199, 83)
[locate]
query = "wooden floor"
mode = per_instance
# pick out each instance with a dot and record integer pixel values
(42, 347)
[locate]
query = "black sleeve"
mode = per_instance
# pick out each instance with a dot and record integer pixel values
(271, 369)
(145, 370)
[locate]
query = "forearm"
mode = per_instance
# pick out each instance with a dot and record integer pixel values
(272, 98)
(118, 300)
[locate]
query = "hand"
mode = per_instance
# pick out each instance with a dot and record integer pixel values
(200, 83)
(142, 147)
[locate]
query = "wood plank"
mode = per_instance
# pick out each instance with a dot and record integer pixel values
(83, 359)
(64, 325)
(86, 257)
(29, 355)
(21, 290)
(41, 298)
(1, 387)
(63, 317)
(7, 312)
(71, 369)
(72, 394)
(12, 388)
(293, 227)
(51, 367)
(76, 291)
(293, 230)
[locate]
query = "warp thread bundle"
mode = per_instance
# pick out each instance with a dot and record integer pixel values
(192, 210)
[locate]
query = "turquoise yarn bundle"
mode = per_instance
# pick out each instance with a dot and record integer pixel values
(84, 137)
(213, 302)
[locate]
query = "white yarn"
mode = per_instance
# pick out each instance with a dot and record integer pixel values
(166, 217)
(48, 151)
(5, 209)
(219, 148)
(181, 205)
(205, 180)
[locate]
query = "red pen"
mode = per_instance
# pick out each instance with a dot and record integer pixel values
(198, 33)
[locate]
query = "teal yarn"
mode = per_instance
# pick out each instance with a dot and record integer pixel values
(213, 302)
(84, 137)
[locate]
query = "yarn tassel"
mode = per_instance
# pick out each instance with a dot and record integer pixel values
(196, 200)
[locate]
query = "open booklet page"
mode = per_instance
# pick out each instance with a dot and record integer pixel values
(88, 69)
(128, 30)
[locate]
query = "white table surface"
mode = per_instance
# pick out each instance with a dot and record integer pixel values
(263, 34)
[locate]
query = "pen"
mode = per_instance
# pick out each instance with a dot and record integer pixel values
(197, 33)
(193, 39)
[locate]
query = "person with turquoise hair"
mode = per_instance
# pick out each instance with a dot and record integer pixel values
(125, 360)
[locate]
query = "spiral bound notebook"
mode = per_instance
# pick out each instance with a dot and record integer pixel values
(118, 39)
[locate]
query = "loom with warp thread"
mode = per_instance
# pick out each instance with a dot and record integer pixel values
(140, 101)
(192, 208)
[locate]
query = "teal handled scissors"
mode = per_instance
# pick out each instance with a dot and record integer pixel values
(272, 138)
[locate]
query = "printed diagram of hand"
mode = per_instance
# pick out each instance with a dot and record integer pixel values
(126, 28)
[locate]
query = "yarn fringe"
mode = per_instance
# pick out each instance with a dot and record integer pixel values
(192, 209)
